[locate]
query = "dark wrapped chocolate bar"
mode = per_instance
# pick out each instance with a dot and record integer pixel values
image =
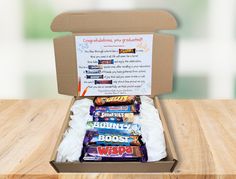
(94, 76)
(116, 100)
(113, 117)
(93, 71)
(111, 61)
(95, 137)
(114, 153)
(102, 82)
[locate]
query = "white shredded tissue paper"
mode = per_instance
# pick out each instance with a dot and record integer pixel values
(70, 147)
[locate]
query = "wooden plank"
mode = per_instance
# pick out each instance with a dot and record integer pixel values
(29, 130)
(190, 142)
(217, 120)
(141, 176)
(203, 132)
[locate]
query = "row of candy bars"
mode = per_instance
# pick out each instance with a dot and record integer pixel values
(112, 135)
(122, 110)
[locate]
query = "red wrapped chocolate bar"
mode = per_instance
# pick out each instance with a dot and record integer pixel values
(114, 153)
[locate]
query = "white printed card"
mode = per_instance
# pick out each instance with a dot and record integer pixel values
(114, 64)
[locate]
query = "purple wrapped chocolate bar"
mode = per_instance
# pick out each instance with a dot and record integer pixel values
(114, 153)
(113, 117)
(95, 137)
(116, 100)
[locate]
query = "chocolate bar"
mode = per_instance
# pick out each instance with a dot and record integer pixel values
(94, 137)
(102, 82)
(116, 100)
(135, 108)
(132, 50)
(115, 127)
(114, 154)
(93, 71)
(94, 76)
(94, 66)
(113, 117)
(106, 61)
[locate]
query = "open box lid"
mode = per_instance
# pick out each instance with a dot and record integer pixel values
(114, 22)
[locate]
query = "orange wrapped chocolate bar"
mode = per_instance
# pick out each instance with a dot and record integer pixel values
(116, 100)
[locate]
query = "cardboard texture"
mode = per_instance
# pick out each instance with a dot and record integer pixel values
(126, 22)
(115, 22)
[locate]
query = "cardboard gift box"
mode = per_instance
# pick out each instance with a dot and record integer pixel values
(115, 22)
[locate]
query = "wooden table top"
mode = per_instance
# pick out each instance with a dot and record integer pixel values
(204, 133)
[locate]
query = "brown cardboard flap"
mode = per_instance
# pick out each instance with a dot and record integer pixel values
(162, 64)
(66, 66)
(114, 21)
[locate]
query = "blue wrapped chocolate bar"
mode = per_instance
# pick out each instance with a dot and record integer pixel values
(114, 127)
(135, 108)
